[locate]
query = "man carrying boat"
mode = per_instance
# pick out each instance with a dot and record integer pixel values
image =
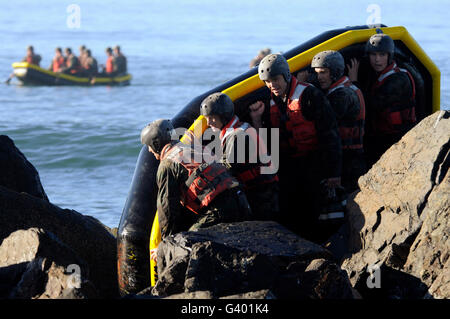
(348, 104)
(310, 148)
(187, 182)
(389, 95)
(241, 152)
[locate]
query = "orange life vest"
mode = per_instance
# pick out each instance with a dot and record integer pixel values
(58, 63)
(205, 181)
(397, 117)
(109, 65)
(351, 133)
(304, 135)
(252, 176)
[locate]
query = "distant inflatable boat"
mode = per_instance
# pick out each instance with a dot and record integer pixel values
(31, 74)
(133, 258)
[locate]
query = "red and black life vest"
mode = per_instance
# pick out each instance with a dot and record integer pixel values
(396, 118)
(351, 132)
(205, 181)
(304, 135)
(250, 177)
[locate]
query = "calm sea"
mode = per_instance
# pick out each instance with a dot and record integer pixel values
(85, 141)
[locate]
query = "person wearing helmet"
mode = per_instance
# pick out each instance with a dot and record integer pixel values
(242, 151)
(348, 104)
(184, 185)
(310, 146)
(389, 95)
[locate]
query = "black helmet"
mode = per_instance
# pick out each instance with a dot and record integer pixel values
(157, 134)
(332, 60)
(273, 65)
(381, 42)
(218, 104)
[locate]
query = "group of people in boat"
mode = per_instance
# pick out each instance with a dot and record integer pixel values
(332, 129)
(83, 65)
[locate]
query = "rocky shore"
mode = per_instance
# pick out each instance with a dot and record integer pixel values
(394, 245)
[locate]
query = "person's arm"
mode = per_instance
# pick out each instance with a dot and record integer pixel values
(318, 109)
(168, 199)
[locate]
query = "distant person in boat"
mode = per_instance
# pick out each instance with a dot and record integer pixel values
(348, 104)
(184, 200)
(108, 68)
(72, 65)
(242, 151)
(58, 61)
(389, 95)
(257, 59)
(31, 57)
(310, 149)
(82, 55)
(90, 67)
(120, 61)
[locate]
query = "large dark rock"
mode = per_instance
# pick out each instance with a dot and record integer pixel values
(49, 268)
(239, 258)
(399, 221)
(16, 172)
(90, 241)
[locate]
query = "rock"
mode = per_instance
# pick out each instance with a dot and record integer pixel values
(16, 172)
(428, 257)
(49, 265)
(398, 220)
(240, 258)
(192, 295)
(87, 238)
(260, 294)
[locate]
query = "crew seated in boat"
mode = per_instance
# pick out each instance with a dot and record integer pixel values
(72, 65)
(89, 64)
(31, 57)
(58, 61)
(389, 95)
(120, 61)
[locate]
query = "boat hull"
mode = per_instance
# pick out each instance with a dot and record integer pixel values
(30, 74)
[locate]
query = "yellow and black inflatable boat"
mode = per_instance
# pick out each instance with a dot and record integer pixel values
(31, 74)
(140, 208)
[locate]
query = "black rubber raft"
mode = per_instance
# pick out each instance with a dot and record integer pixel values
(30, 74)
(133, 260)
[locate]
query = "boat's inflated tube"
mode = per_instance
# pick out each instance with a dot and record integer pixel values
(138, 214)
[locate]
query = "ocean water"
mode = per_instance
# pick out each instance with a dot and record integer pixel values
(85, 141)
